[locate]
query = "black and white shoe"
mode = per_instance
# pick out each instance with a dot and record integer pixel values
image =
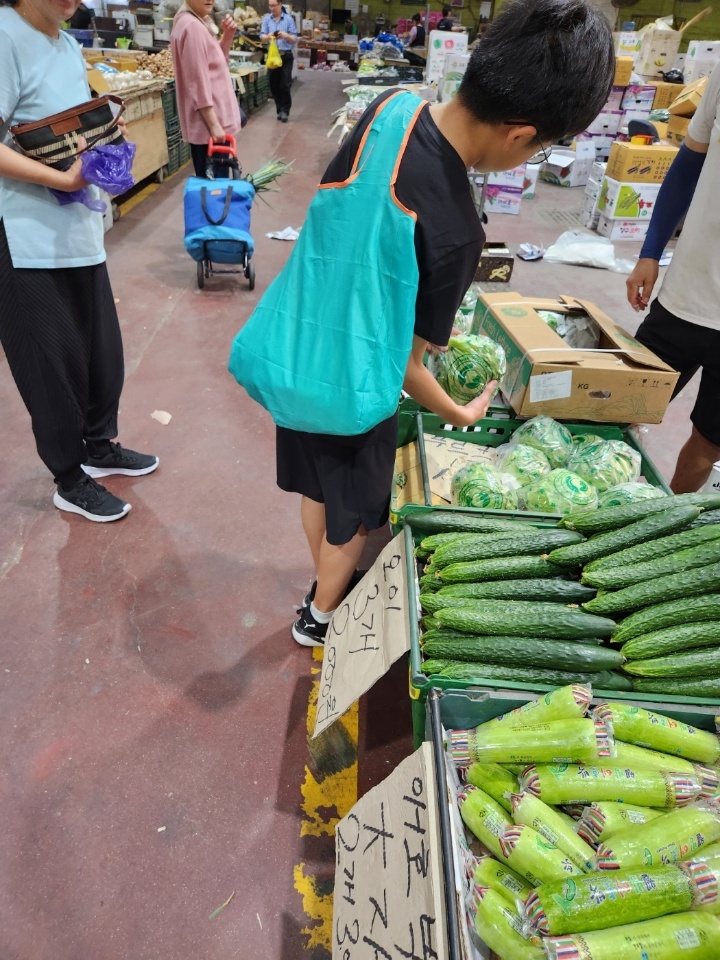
(310, 595)
(307, 631)
(92, 501)
(127, 463)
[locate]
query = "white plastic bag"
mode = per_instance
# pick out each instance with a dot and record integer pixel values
(585, 249)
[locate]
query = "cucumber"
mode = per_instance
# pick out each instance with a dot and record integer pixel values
(492, 617)
(598, 521)
(603, 544)
(662, 642)
(695, 663)
(707, 517)
(421, 554)
(674, 586)
(436, 540)
(642, 552)
(611, 680)
(429, 583)
(504, 545)
(436, 521)
(432, 602)
(690, 688)
(443, 634)
(511, 568)
(688, 559)
(672, 613)
(561, 591)
(527, 652)
(477, 672)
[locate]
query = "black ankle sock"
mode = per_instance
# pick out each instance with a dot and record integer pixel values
(68, 480)
(98, 448)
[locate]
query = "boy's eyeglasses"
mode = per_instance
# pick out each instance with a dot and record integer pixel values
(541, 155)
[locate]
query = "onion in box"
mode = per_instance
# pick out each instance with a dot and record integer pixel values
(479, 485)
(469, 363)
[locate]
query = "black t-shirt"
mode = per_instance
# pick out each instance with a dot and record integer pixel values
(445, 24)
(419, 40)
(432, 181)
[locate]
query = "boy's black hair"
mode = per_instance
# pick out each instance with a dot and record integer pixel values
(547, 62)
(416, 18)
(446, 11)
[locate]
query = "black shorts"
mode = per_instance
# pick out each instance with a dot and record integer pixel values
(688, 347)
(352, 476)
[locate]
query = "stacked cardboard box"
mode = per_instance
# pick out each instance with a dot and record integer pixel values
(630, 188)
(682, 109)
(589, 214)
(701, 59)
(505, 191)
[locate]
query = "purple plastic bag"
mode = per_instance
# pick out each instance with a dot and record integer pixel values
(108, 167)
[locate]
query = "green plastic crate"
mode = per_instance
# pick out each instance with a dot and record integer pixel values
(169, 102)
(185, 153)
(173, 157)
(172, 130)
(492, 432)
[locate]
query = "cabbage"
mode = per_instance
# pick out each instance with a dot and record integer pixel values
(625, 493)
(478, 485)
(523, 462)
(560, 491)
(606, 463)
(546, 434)
(468, 364)
(581, 440)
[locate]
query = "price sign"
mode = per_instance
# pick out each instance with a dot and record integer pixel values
(367, 634)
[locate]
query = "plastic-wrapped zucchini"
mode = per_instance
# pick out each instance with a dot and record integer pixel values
(551, 825)
(494, 780)
(646, 729)
(489, 872)
(559, 741)
(675, 836)
(500, 927)
(602, 820)
(569, 783)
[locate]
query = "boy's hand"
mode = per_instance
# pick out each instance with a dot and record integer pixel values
(477, 408)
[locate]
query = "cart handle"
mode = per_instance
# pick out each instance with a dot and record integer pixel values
(229, 148)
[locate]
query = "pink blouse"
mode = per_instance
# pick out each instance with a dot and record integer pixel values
(202, 79)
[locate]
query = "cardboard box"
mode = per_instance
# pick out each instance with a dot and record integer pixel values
(532, 173)
(589, 213)
(658, 50)
(615, 98)
(638, 97)
(701, 59)
(661, 127)
(623, 71)
(627, 201)
(569, 168)
(686, 103)
(627, 43)
(508, 178)
(640, 163)
(605, 124)
(496, 264)
(665, 93)
(699, 69)
(677, 129)
(622, 229)
(545, 376)
(503, 200)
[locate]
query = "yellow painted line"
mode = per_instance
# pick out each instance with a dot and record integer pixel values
(326, 800)
(147, 191)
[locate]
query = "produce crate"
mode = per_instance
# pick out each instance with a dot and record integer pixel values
(172, 129)
(185, 153)
(169, 102)
(492, 432)
(173, 157)
(506, 695)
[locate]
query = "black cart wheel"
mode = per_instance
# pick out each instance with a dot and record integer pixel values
(250, 274)
(201, 273)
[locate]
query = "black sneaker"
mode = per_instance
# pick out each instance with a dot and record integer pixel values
(92, 501)
(307, 631)
(310, 595)
(128, 463)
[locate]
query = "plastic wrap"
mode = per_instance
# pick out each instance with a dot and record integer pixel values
(530, 855)
(566, 703)
(469, 363)
(485, 818)
(495, 780)
(579, 331)
(549, 823)
(569, 783)
(523, 462)
(624, 493)
(500, 927)
(602, 820)
(559, 491)
(553, 438)
(491, 873)
(559, 741)
(646, 729)
(605, 464)
(480, 485)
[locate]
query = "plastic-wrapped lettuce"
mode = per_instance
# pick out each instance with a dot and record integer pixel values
(558, 741)
(491, 873)
(653, 730)
(479, 485)
(602, 820)
(624, 493)
(559, 491)
(501, 927)
(605, 464)
(468, 364)
(569, 783)
(553, 826)
(523, 462)
(582, 440)
(546, 434)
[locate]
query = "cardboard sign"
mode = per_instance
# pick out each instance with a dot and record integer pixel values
(440, 45)
(367, 634)
(446, 455)
(389, 894)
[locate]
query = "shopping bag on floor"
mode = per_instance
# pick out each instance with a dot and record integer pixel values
(274, 60)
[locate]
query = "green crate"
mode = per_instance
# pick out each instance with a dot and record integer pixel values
(492, 432)
(185, 152)
(172, 130)
(173, 158)
(169, 102)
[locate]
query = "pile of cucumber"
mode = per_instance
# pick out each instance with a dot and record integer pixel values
(626, 597)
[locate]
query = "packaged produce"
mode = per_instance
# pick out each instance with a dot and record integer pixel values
(579, 331)
(635, 725)
(485, 818)
(538, 861)
(568, 783)
(580, 440)
(593, 902)
(496, 781)
(500, 927)
(567, 703)
(602, 820)
(559, 741)
(551, 825)
(491, 873)
(631, 492)
(630, 755)
(613, 518)
(683, 936)
(479, 485)
(468, 365)
(559, 491)
(523, 462)
(676, 835)
(552, 438)
(707, 854)
(605, 464)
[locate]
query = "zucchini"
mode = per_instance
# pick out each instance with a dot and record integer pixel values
(528, 619)
(672, 613)
(477, 672)
(707, 517)
(561, 591)
(436, 540)
(504, 545)
(510, 568)
(527, 652)
(688, 559)
(705, 663)
(673, 586)
(603, 544)
(690, 688)
(642, 552)
(438, 522)
(661, 642)
(598, 521)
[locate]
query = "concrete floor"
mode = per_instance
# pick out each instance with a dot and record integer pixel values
(153, 705)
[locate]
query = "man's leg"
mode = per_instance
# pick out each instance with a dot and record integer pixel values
(694, 463)
(336, 566)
